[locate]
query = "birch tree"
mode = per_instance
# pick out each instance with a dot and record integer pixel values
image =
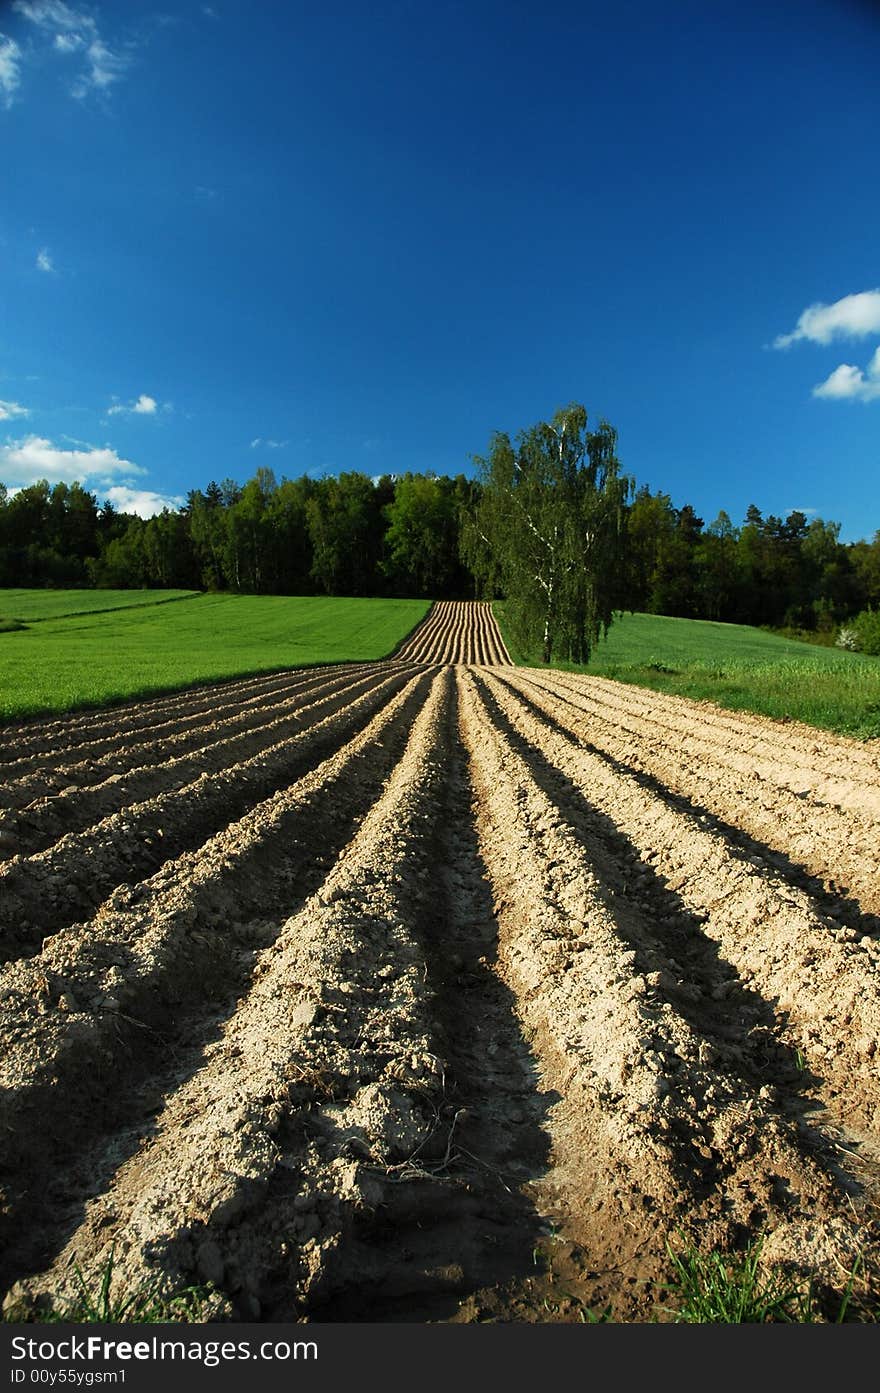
(548, 532)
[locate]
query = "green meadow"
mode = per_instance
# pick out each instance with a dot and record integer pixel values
(30, 606)
(92, 659)
(739, 667)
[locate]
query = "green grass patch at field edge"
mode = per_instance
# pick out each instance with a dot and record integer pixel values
(738, 667)
(33, 605)
(95, 659)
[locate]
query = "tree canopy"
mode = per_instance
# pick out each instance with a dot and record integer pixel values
(548, 531)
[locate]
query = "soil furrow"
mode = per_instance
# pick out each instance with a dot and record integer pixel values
(831, 844)
(457, 1240)
(822, 979)
(138, 714)
(453, 632)
(785, 751)
(677, 1125)
(342, 1083)
(42, 894)
(94, 1015)
(125, 756)
(180, 711)
(76, 808)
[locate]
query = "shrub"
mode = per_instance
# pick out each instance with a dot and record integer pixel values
(867, 627)
(847, 638)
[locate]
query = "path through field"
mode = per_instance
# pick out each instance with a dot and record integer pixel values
(434, 989)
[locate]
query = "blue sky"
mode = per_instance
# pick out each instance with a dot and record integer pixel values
(356, 236)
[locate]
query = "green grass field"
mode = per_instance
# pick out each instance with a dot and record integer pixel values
(742, 668)
(33, 605)
(93, 659)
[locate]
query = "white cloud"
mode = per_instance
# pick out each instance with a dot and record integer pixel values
(269, 444)
(9, 409)
(69, 43)
(53, 14)
(849, 383)
(104, 68)
(44, 261)
(25, 461)
(74, 32)
(10, 59)
(141, 501)
(144, 406)
(852, 317)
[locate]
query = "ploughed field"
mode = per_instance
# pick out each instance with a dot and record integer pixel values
(434, 989)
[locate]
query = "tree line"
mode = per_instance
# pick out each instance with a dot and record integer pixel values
(345, 535)
(551, 524)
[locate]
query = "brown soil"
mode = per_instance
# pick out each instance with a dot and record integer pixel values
(435, 989)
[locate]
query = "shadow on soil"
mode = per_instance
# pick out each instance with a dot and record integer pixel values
(734, 1019)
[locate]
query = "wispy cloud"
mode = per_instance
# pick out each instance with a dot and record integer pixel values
(53, 14)
(141, 501)
(104, 67)
(25, 461)
(849, 383)
(69, 43)
(74, 33)
(10, 409)
(44, 261)
(143, 406)
(268, 444)
(10, 65)
(852, 317)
